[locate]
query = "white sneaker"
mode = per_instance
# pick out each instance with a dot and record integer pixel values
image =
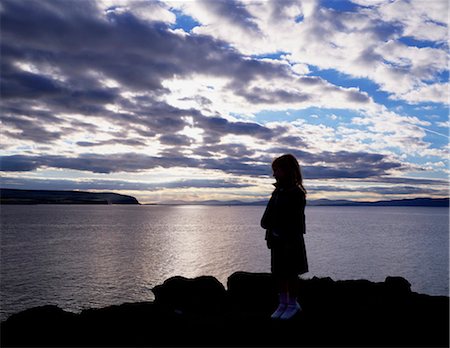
(291, 310)
(279, 311)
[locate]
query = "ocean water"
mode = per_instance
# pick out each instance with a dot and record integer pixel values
(81, 256)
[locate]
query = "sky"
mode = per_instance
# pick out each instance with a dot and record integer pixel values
(172, 101)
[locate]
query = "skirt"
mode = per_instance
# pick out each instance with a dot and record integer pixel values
(289, 259)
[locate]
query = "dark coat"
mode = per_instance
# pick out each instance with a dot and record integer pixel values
(284, 217)
(284, 221)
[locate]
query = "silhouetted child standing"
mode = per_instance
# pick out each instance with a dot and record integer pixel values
(284, 221)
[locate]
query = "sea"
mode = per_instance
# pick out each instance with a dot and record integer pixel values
(91, 256)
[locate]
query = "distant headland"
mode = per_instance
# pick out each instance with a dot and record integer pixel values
(12, 196)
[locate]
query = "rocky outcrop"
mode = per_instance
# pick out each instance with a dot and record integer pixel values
(201, 312)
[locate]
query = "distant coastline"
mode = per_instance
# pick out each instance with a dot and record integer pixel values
(18, 196)
(13, 196)
(413, 202)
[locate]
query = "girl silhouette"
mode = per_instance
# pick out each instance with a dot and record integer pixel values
(284, 221)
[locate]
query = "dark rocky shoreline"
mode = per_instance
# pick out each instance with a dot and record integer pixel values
(201, 312)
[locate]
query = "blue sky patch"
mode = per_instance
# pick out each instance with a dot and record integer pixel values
(185, 22)
(312, 115)
(340, 5)
(410, 41)
(275, 55)
(299, 19)
(364, 84)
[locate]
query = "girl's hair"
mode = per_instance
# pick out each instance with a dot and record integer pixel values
(290, 165)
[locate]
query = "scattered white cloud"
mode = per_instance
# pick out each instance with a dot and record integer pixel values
(129, 97)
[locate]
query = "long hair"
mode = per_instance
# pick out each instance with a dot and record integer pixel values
(290, 166)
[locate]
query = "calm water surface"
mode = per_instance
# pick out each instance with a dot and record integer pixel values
(80, 256)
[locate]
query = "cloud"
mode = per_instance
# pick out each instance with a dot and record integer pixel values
(145, 10)
(175, 139)
(112, 65)
(144, 52)
(409, 181)
(118, 162)
(128, 142)
(228, 150)
(424, 21)
(382, 190)
(48, 73)
(29, 130)
(234, 12)
(436, 92)
(345, 164)
(221, 126)
(19, 163)
(109, 88)
(364, 43)
(444, 124)
(230, 17)
(115, 185)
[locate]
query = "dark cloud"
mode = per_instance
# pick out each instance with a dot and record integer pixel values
(126, 162)
(237, 166)
(340, 157)
(382, 190)
(28, 130)
(19, 163)
(258, 95)
(310, 80)
(261, 95)
(114, 185)
(88, 143)
(127, 142)
(347, 165)
(409, 181)
(384, 31)
(354, 171)
(176, 139)
(203, 183)
(122, 162)
(292, 141)
(199, 99)
(368, 56)
(27, 85)
(71, 47)
(341, 164)
(405, 190)
(221, 126)
(357, 96)
(278, 9)
(75, 46)
(235, 13)
(229, 150)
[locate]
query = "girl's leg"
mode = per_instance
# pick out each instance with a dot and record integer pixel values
(293, 306)
(283, 297)
(292, 288)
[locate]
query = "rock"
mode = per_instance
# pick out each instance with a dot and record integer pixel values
(48, 324)
(184, 295)
(200, 312)
(252, 291)
(398, 286)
